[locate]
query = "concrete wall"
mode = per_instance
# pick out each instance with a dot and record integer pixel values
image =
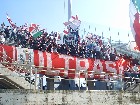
(31, 97)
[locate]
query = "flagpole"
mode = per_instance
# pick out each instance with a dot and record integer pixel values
(95, 30)
(102, 38)
(110, 40)
(89, 28)
(84, 31)
(69, 9)
(119, 41)
(64, 6)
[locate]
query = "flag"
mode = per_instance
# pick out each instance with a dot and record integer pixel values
(11, 22)
(33, 29)
(30, 29)
(37, 34)
(66, 32)
(66, 23)
(136, 48)
(34, 25)
(72, 19)
(73, 22)
(134, 9)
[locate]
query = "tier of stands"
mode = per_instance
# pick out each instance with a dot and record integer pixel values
(90, 47)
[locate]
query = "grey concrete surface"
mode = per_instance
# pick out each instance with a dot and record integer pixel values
(32, 97)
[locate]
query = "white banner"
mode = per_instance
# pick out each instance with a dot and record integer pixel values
(25, 56)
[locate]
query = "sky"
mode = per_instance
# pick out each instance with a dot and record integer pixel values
(50, 14)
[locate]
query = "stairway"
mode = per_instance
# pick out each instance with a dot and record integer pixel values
(13, 80)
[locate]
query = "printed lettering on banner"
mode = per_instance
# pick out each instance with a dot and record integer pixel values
(25, 56)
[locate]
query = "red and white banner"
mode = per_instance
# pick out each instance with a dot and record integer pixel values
(11, 22)
(54, 64)
(135, 21)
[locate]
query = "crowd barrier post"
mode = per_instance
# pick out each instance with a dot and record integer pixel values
(35, 77)
(30, 76)
(86, 79)
(79, 79)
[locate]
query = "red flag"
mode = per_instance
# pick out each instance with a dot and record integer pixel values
(66, 23)
(73, 17)
(136, 48)
(10, 21)
(66, 32)
(30, 29)
(34, 25)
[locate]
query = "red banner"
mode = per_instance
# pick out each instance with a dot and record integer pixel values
(51, 64)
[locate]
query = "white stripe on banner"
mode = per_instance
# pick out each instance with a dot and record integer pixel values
(4, 55)
(41, 58)
(14, 53)
(49, 61)
(25, 55)
(132, 12)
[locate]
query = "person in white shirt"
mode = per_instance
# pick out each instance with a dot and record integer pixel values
(2, 39)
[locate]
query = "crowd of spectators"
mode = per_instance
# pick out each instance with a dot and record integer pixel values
(47, 42)
(93, 46)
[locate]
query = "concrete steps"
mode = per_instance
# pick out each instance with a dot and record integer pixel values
(14, 78)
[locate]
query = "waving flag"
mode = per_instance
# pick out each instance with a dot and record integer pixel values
(37, 34)
(73, 22)
(66, 31)
(10, 21)
(136, 48)
(35, 26)
(134, 9)
(34, 30)
(133, 46)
